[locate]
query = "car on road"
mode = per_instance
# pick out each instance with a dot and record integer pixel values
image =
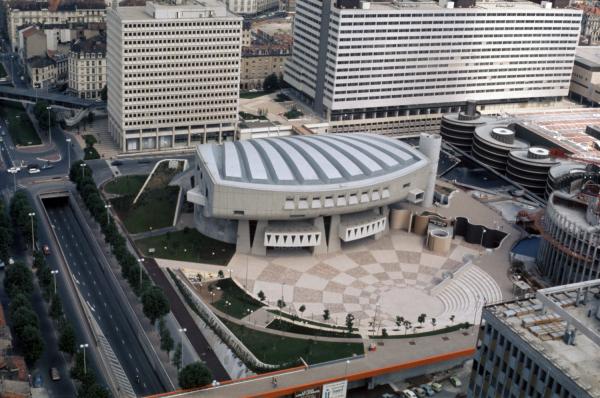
(47, 166)
(116, 163)
(144, 161)
(33, 170)
(428, 390)
(419, 392)
(54, 374)
(14, 169)
(455, 381)
(37, 381)
(46, 250)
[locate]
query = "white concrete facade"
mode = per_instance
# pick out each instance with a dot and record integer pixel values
(295, 191)
(175, 75)
(251, 7)
(87, 68)
(389, 60)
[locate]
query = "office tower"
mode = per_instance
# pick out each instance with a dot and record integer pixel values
(395, 66)
(174, 75)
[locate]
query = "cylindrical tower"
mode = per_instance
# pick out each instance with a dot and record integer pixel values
(492, 144)
(529, 168)
(457, 128)
(430, 146)
(570, 249)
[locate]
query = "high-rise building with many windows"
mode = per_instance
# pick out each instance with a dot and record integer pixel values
(174, 74)
(377, 66)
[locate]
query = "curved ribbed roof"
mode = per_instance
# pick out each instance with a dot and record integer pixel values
(308, 160)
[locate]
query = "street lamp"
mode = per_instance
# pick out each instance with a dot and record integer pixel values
(31, 215)
(181, 333)
(347, 363)
(14, 171)
(54, 272)
(141, 261)
(107, 207)
(68, 154)
(84, 346)
(83, 169)
(49, 108)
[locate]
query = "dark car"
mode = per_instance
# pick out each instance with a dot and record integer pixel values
(144, 161)
(116, 163)
(37, 381)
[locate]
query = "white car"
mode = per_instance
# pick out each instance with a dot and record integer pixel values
(409, 394)
(33, 170)
(14, 169)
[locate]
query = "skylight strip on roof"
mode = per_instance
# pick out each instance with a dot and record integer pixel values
(317, 159)
(400, 153)
(255, 163)
(307, 172)
(347, 164)
(280, 166)
(384, 157)
(233, 167)
(366, 161)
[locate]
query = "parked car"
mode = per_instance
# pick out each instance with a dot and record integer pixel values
(33, 171)
(143, 161)
(46, 250)
(54, 374)
(428, 390)
(409, 394)
(37, 381)
(116, 163)
(455, 381)
(419, 392)
(437, 387)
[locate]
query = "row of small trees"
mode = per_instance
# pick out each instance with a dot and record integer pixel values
(19, 214)
(5, 234)
(155, 303)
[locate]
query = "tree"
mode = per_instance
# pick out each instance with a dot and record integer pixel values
(399, 320)
(67, 340)
(349, 323)
(166, 341)
(452, 318)
(41, 112)
(22, 319)
(271, 82)
(221, 274)
(421, 318)
(18, 279)
(17, 303)
(194, 375)
(261, 296)
(433, 322)
(281, 304)
(326, 314)
(384, 332)
(56, 309)
(407, 325)
(155, 303)
(104, 93)
(31, 344)
(302, 309)
(176, 360)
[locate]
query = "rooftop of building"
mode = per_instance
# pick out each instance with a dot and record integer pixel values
(57, 5)
(309, 160)
(95, 45)
(588, 57)
(566, 128)
(542, 321)
(535, 155)
(40, 61)
(500, 135)
(500, 5)
(167, 10)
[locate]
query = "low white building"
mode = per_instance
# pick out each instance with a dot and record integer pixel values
(251, 7)
(307, 191)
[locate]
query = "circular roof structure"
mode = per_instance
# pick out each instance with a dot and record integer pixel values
(310, 161)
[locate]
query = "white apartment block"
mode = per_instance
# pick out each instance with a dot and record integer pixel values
(251, 7)
(174, 75)
(22, 12)
(87, 67)
(395, 67)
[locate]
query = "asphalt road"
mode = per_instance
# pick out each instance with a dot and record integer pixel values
(105, 305)
(185, 320)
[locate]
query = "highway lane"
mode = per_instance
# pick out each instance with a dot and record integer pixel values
(105, 306)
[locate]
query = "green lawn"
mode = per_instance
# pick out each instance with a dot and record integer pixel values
(240, 301)
(125, 185)
(255, 94)
(285, 326)
(287, 351)
(20, 127)
(154, 209)
(187, 245)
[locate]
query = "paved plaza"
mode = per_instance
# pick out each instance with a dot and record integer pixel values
(373, 280)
